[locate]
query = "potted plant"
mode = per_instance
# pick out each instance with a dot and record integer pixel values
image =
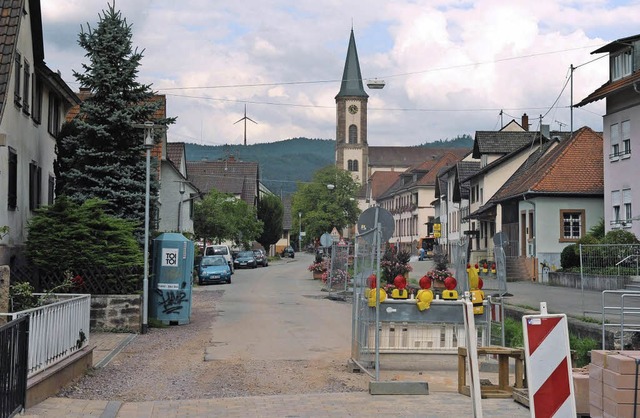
(318, 268)
(394, 263)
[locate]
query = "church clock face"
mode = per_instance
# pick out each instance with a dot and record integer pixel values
(353, 109)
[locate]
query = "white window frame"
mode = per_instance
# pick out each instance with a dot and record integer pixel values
(615, 207)
(626, 139)
(626, 201)
(572, 218)
(614, 140)
(621, 64)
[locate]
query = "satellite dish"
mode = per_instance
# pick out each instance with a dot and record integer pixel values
(367, 222)
(500, 239)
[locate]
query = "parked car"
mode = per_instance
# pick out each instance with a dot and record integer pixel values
(245, 259)
(222, 250)
(214, 269)
(288, 252)
(261, 257)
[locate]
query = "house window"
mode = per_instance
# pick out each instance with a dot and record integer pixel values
(54, 114)
(615, 205)
(626, 201)
(473, 194)
(352, 165)
(355, 165)
(353, 134)
(51, 190)
(25, 88)
(572, 222)
(626, 138)
(36, 115)
(17, 67)
(621, 65)
(12, 195)
(35, 186)
(480, 197)
(614, 138)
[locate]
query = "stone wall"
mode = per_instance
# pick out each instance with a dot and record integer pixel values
(591, 282)
(116, 312)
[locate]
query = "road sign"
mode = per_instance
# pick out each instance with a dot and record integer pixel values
(335, 235)
(367, 222)
(548, 362)
(326, 240)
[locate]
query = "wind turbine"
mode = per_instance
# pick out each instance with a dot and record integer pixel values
(245, 119)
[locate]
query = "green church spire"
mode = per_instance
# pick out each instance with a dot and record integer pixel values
(351, 77)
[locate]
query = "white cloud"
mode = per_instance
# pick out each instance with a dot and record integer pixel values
(438, 58)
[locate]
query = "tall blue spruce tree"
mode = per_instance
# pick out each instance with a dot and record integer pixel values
(100, 154)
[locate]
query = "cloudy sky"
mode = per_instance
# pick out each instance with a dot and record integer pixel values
(450, 66)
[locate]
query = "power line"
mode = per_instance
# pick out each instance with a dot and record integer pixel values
(452, 67)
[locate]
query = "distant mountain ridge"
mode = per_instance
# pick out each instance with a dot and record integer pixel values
(284, 163)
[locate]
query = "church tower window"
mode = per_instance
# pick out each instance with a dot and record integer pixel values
(353, 134)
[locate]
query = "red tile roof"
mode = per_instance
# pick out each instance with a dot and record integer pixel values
(380, 182)
(574, 166)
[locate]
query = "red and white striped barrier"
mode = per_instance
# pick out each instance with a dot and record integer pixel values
(548, 363)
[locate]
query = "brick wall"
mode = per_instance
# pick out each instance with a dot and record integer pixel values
(116, 312)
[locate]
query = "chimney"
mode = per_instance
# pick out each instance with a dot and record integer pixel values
(525, 121)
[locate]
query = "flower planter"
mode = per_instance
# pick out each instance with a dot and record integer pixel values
(317, 275)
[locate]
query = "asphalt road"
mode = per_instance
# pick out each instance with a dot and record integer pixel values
(271, 313)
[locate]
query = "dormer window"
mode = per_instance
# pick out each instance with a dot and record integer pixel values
(621, 64)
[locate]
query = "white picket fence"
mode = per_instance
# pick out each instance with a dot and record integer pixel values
(56, 330)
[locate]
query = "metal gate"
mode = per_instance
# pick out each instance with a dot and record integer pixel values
(14, 347)
(339, 276)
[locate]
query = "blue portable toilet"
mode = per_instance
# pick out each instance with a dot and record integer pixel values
(170, 287)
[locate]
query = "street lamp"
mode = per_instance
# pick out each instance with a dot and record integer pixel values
(300, 231)
(148, 144)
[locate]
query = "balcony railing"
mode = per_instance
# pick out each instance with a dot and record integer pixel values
(56, 330)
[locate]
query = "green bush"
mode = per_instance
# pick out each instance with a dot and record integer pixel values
(620, 236)
(581, 346)
(569, 257)
(68, 236)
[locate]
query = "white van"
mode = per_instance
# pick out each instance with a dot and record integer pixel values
(222, 250)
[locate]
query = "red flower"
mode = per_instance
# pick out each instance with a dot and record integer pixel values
(77, 281)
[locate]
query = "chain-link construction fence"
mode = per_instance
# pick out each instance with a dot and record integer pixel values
(339, 275)
(384, 328)
(366, 263)
(614, 269)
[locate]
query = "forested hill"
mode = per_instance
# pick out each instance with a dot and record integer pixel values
(283, 163)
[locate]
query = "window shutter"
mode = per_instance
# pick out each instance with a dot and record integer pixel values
(615, 198)
(615, 134)
(626, 129)
(626, 195)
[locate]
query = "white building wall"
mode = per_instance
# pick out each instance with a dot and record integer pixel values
(622, 172)
(548, 228)
(29, 140)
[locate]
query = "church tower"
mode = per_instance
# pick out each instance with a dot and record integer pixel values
(352, 150)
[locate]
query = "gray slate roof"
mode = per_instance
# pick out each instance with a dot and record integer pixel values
(226, 176)
(501, 142)
(351, 77)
